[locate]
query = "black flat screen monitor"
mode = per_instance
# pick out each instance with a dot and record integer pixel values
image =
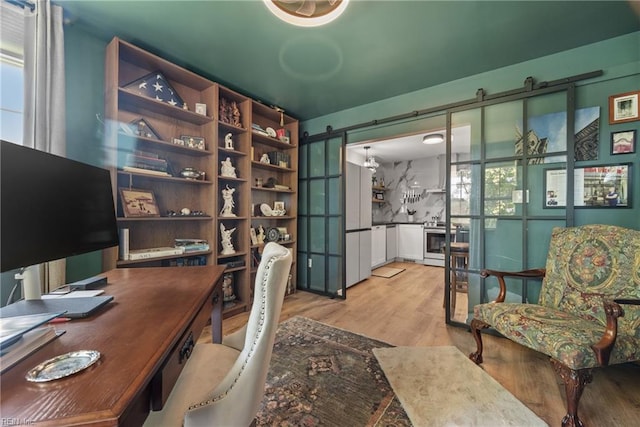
(52, 207)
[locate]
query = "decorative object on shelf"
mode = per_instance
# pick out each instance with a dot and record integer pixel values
(227, 169)
(186, 212)
(379, 196)
(258, 129)
(185, 107)
(138, 203)
(260, 235)
(193, 142)
(142, 128)
(254, 236)
(410, 214)
(201, 108)
(369, 161)
(265, 159)
(228, 141)
(278, 209)
(229, 112)
(259, 182)
(624, 107)
(271, 132)
(228, 294)
(225, 240)
(155, 85)
(229, 204)
(623, 142)
(273, 234)
(271, 183)
(284, 234)
(266, 210)
(192, 173)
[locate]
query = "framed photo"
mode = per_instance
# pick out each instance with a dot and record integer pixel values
(603, 186)
(278, 206)
(193, 142)
(624, 107)
(254, 236)
(138, 203)
(201, 108)
(623, 142)
(379, 196)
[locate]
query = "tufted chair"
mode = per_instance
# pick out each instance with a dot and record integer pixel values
(591, 272)
(223, 384)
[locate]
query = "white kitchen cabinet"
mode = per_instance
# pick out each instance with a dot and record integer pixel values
(392, 242)
(410, 241)
(378, 245)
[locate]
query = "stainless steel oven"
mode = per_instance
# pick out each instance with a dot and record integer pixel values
(434, 245)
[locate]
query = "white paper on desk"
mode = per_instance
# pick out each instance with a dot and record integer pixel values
(75, 294)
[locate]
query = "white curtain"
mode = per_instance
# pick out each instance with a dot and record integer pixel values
(44, 101)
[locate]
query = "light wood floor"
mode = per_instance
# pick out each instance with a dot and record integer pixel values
(406, 310)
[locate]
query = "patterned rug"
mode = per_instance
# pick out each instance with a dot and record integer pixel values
(324, 376)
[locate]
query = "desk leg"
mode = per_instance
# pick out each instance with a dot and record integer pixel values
(216, 315)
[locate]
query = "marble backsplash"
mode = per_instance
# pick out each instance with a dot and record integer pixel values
(416, 176)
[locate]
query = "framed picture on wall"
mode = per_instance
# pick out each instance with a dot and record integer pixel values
(624, 107)
(623, 142)
(602, 186)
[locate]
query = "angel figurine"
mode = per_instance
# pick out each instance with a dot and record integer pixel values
(225, 240)
(227, 207)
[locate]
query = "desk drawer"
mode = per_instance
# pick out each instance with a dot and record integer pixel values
(166, 377)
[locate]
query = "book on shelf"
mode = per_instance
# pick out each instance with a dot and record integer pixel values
(192, 245)
(144, 171)
(137, 254)
(27, 344)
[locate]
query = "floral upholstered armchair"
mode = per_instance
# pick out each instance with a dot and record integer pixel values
(592, 271)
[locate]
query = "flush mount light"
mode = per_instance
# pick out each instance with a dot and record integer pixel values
(307, 13)
(434, 138)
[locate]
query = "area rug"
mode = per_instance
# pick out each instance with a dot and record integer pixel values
(386, 272)
(324, 376)
(440, 386)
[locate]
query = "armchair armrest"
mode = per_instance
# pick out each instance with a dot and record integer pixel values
(603, 347)
(533, 273)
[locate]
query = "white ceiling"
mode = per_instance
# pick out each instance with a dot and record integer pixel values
(409, 147)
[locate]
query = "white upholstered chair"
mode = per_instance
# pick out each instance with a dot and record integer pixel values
(223, 384)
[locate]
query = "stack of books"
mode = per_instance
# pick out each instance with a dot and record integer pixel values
(146, 162)
(279, 158)
(192, 245)
(23, 335)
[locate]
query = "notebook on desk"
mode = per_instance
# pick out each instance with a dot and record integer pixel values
(74, 308)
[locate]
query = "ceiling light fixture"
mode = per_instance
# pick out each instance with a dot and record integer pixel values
(307, 13)
(369, 162)
(434, 138)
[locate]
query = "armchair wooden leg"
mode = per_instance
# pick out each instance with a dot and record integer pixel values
(476, 326)
(574, 383)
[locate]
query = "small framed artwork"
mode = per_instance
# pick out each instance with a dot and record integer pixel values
(254, 236)
(379, 196)
(623, 142)
(193, 142)
(278, 206)
(138, 203)
(624, 107)
(201, 108)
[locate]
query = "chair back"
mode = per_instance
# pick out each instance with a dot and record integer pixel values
(591, 263)
(245, 382)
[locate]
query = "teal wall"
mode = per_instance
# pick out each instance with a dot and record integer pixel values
(84, 67)
(618, 57)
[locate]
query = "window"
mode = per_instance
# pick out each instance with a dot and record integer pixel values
(11, 73)
(500, 182)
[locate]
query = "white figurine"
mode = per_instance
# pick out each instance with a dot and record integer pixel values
(228, 142)
(227, 208)
(227, 169)
(260, 235)
(265, 159)
(225, 239)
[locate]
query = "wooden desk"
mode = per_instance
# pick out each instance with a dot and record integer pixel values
(140, 336)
